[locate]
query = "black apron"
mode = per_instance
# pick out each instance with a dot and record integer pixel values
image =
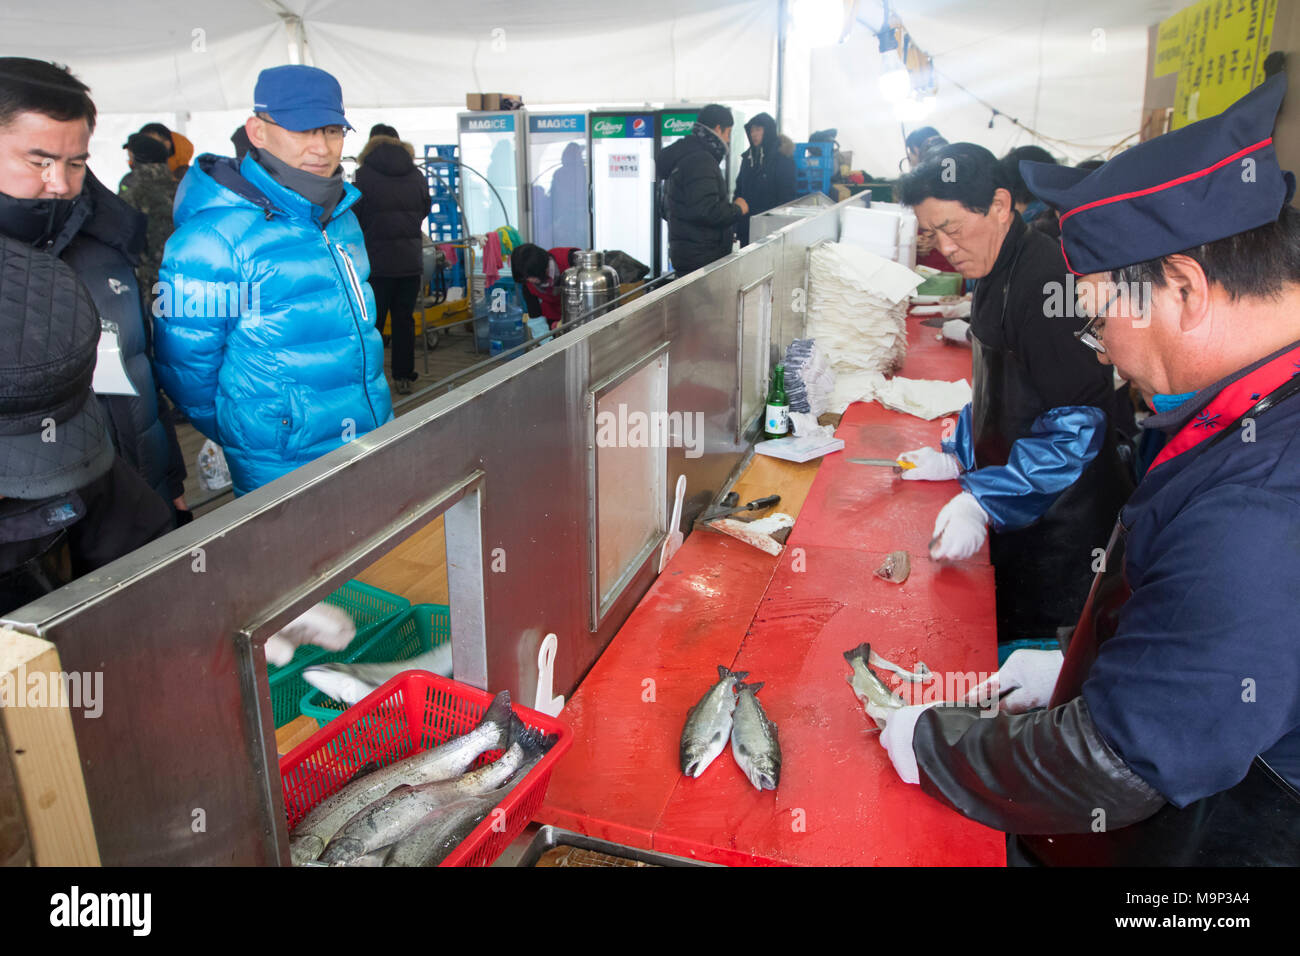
(1255, 823)
(1041, 572)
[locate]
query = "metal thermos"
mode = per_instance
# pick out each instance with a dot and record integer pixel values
(588, 287)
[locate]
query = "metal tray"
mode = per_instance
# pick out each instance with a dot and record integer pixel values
(549, 837)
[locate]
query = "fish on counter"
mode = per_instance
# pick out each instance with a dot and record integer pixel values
(385, 821)
(350, 683)
(896, 568)
(447, 761)
(753, 739)
(708, 725)
(869, 688)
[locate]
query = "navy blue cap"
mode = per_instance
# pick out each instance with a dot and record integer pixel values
(1204, 182)
(299, 97)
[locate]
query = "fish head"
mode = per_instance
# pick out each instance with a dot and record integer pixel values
(698, 752)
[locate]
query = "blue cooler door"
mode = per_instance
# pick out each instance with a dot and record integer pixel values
(559, 180)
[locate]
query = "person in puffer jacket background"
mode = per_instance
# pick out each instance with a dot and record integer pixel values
(767, 173)
(265, 326)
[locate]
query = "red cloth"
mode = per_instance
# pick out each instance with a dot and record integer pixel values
(450, 252)
(935, 260)
(492, 259)
(550, 297)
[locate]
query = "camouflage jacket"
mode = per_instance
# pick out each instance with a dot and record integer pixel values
(150, 188)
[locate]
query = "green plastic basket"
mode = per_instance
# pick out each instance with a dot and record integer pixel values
(419, 629)
(370, 609)
(945, 283)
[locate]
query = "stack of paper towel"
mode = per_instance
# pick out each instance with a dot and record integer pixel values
(887, 229)
(857, 306)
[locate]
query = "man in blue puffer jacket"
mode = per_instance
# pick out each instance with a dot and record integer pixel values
(265, 323)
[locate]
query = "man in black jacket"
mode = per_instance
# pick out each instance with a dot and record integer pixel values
(68, 504)
(766, 177)
(1035, 451)
(394, 203)
(51, 201)
(700, 219)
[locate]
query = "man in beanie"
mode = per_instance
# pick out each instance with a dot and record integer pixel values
(150, 188)
(68, 503)
(1169, 733)
(701, 220)
(265, 323)
(50, 200)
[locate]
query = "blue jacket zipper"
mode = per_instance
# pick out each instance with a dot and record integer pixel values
(350, 275)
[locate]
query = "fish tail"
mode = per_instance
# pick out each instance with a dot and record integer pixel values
(500, 714)
(737, 676)
(754, 688)
(860, 653)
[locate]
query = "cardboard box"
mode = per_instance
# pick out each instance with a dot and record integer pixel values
(473, 101)
(491, 101)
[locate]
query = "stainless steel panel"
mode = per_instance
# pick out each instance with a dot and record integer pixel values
(177, 627)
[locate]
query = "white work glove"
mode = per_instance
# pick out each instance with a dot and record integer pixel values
(1030, 676)
(957, 330)
(897, 725)
(960, 529)
(931, 465)
(322, 624)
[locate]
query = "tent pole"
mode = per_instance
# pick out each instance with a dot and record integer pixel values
(781, 17)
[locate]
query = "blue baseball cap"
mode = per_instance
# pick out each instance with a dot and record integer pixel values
(299, 98)
(1198, 184)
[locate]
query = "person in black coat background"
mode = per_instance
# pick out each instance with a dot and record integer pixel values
(766, 178)
(701, 220)
(394, 203)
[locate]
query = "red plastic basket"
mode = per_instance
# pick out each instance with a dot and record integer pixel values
(416, 711)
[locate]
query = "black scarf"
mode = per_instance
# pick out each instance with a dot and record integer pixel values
(711, 140)
(323, 191)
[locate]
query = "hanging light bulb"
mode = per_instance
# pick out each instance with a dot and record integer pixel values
(914, 109)
(895, 81)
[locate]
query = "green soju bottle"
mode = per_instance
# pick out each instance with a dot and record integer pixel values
(776, 420)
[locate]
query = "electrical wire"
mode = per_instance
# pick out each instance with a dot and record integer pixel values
(1108, 150)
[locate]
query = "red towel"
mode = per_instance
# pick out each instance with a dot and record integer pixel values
(492, 261)
(449, 252)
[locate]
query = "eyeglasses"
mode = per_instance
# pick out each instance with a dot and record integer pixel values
(1090, 334)
(330, 133)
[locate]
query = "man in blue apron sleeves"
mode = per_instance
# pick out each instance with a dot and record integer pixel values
(1170, 732)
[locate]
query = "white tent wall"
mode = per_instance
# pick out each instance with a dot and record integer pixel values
(1075, 72)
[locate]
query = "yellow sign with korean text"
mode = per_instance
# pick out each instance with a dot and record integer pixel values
(1219, 47)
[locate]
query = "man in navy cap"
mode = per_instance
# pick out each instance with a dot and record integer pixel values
(265, 323)
(1170, 734)
(1035, 452)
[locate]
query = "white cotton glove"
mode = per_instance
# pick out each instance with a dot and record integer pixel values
(1030, 677)
(322, 624)
(897, 725)
(957, 330)
(960, 529)
(931, 465)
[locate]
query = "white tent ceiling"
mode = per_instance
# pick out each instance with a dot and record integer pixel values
(1073, 71)
(173, 57)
